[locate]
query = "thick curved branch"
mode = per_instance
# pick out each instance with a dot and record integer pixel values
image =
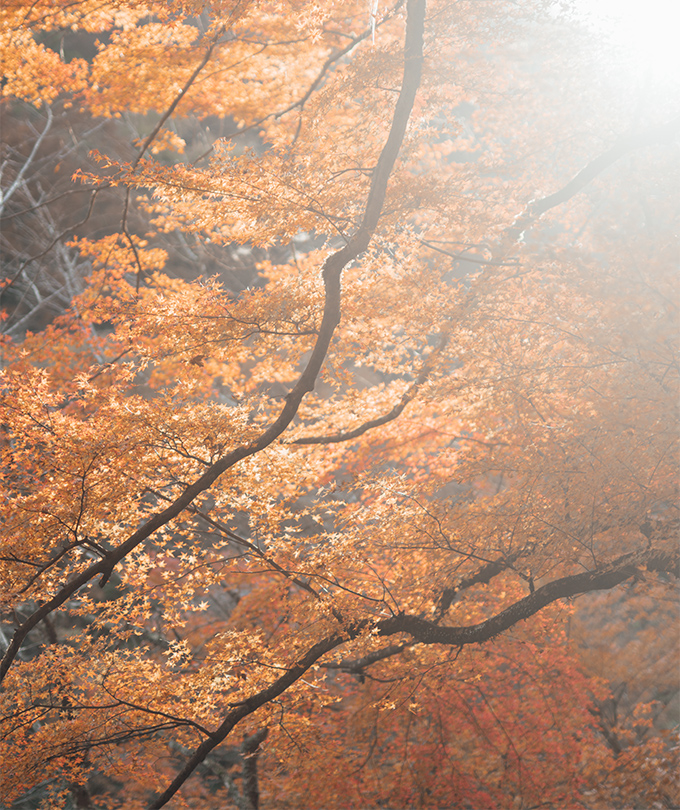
(332, 271)
(428, 632)
(627, 143)
(625, 567)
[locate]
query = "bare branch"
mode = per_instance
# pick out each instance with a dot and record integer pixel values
(4, 197)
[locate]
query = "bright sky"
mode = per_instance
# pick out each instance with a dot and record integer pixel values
(648, 30)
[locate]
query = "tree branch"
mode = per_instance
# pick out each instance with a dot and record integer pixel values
(619, 570)
(171, 109)
(483, 576)
(428, 632)
(627, 143)
(249, 706)
(408, 395)
(332, 271)
(357, 666)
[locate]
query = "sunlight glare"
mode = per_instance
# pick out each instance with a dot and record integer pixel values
(648, 31)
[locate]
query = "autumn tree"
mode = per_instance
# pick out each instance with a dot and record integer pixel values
(361, 533)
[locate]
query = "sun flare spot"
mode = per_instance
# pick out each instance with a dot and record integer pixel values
(647, 32)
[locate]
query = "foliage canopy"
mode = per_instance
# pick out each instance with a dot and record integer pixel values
(316, 541)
